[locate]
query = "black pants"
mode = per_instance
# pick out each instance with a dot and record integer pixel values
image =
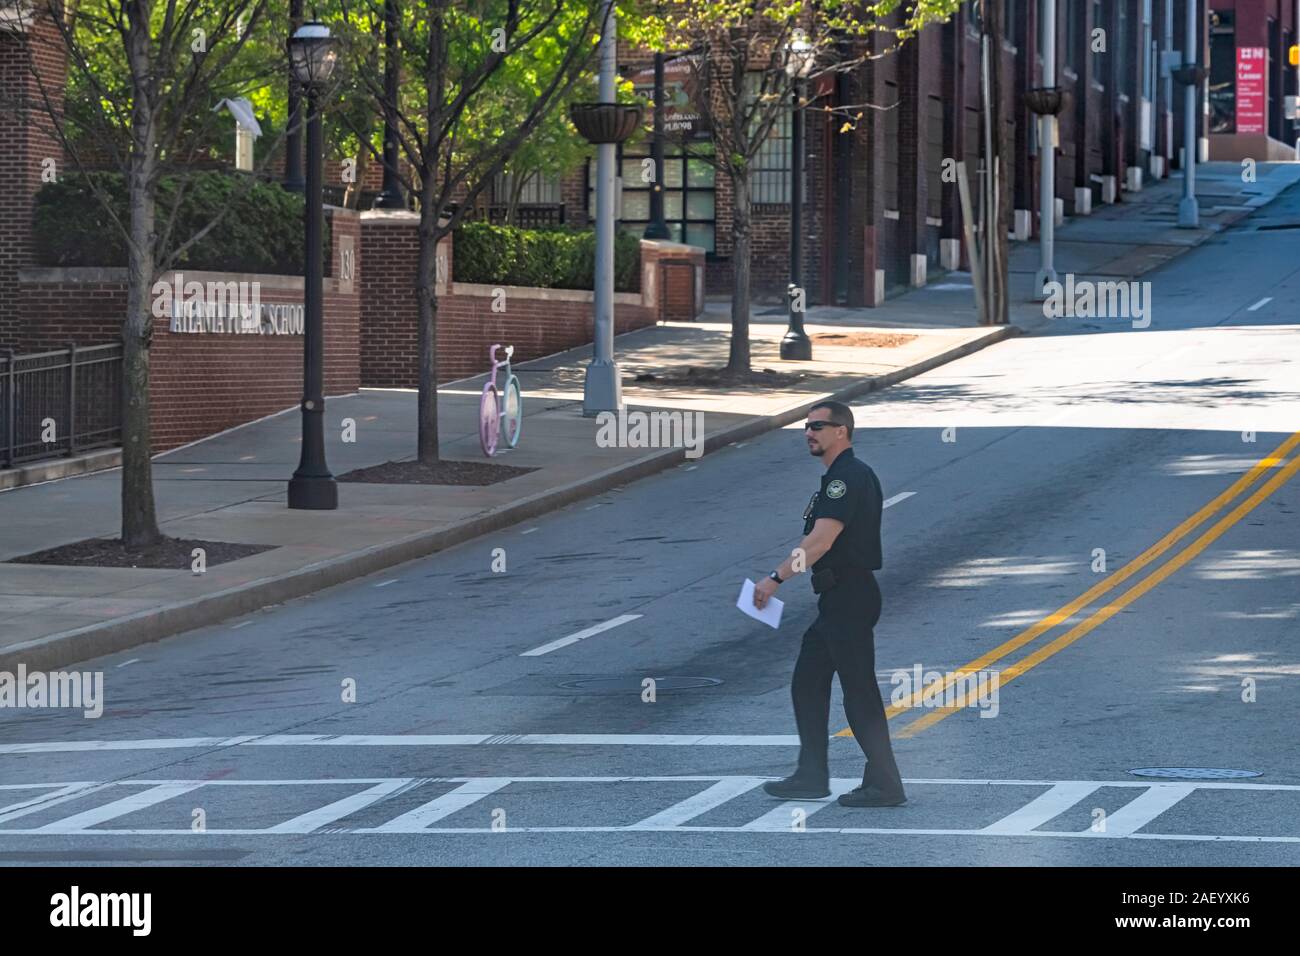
(841, 642)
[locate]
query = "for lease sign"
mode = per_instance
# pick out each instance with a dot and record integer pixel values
(1252, 62)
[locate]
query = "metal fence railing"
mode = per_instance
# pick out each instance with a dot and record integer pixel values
(58, 403)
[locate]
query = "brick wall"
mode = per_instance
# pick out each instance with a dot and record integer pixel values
(32, 67)
(203, 383)
(536, 322)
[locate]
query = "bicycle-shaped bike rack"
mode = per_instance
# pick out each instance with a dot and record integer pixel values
(497, 418)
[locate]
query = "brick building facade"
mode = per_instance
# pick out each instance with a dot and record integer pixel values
(877, 208)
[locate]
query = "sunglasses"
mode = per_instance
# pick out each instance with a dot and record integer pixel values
(818, 426)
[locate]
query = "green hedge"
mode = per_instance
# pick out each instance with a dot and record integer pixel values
(262, 230)
(555, 258)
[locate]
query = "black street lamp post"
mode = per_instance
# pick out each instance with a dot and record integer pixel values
(293, 180)
(657, 228)
(796, 346)
(390, 196)
(312, 56)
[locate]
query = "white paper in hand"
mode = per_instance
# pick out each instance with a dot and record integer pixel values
(770, 615)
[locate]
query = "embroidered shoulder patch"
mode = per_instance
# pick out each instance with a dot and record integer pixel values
(836, 489)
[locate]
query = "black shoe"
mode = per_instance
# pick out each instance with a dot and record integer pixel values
(797, 788)
(871, 796)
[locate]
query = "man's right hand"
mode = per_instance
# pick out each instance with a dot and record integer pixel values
(763, 590)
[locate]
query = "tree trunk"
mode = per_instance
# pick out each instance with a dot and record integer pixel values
(427, 300)
(741, 254)
(139, 517)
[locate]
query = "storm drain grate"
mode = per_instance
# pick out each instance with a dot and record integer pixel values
(1195, 773)
(637, 684)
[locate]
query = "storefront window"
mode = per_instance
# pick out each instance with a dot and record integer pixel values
(688, 192)
(1223, 72)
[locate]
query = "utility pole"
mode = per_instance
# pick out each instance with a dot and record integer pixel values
(1047, 151)
(1189, 213)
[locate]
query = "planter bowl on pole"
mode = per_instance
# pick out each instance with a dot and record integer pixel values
(605, 122)
(1047, 100)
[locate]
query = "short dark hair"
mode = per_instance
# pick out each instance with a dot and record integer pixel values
(841, 414)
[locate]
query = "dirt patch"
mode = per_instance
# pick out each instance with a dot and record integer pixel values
(863, 340)
(170, 554)
(443, 473)
(720, 378)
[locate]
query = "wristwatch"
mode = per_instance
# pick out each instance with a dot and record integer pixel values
(776, 577)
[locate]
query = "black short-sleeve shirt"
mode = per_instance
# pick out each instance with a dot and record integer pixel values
(850, 493)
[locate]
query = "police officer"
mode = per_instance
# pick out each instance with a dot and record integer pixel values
(842, 546)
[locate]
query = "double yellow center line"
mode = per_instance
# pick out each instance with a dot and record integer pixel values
(1275, 459)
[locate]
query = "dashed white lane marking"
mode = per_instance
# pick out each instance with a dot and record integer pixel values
(384, 584)
(580, 636)
(134, 660)
(529, 531)
(235, 627)
(1261, 303)
(901, 496)
(1153, 801)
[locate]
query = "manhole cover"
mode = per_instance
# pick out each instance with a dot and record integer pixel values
(620, 684)
(1194, 773)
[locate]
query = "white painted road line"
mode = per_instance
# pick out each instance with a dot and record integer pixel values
(1137, 813)
(580, 636)
(1044, 807)
(529, 531)
(79, 822)
(901, 496)
(384, 584)
(1261, 303)
(704, 801)
(52, 799)
(1155, 799)
(134, 660)
(783, 817)
(315, 819)
(417, 820)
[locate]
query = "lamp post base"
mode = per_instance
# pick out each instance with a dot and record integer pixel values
(796, 346)
(1189, 213)
(602, 390)
(313, 492)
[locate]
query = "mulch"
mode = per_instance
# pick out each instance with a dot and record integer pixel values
(868, 340)
(445, 472)
(720, 378)
(171, 554)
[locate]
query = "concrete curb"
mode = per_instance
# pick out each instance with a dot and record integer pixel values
(49, 470)
(67, 647)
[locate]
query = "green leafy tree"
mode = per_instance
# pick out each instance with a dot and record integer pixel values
(144, 76)
(746, 54)
(478, 79)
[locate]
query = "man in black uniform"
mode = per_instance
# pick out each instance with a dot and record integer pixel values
(842, 545)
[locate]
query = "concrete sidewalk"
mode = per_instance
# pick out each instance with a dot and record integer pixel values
(232, 487)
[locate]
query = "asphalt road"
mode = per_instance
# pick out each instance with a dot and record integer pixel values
(1009, 470)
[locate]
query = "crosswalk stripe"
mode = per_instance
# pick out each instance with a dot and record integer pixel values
(783, 817)
(35, 804)
(1136, 814)
(315, 819)
(702, 802)
(415, 821)
(80, 822)
(1044, 807)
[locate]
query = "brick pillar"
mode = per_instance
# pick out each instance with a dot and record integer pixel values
(32, 69)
